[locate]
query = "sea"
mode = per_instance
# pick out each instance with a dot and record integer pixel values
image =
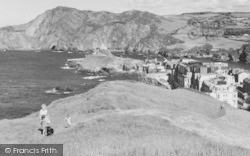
(25, 76)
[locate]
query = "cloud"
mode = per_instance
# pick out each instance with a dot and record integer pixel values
(146, 4)
(180, 6)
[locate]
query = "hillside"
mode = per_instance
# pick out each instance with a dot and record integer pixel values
(230, 32)
(64, 28)
(132, 118)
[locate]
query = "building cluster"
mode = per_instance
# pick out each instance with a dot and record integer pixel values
(213, 78)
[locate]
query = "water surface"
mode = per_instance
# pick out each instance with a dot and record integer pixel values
(26, 75)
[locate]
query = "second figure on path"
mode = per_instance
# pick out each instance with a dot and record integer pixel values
(68, 120)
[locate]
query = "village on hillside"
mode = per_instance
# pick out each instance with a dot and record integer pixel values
(229, 85)
(214, 78)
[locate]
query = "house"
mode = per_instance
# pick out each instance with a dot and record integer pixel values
(170, 65)
(225, 93)
(219, 64)
(246, 86)
(223, 89)
(161, 68)
(222, 70)
(149, 68)
(205, 77)
(183, 75)
(185, 60)
(241, 76)
(186, 74)
(242, 95)
(217, 67)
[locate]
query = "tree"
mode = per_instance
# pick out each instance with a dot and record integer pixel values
(127, 49)
(197, 83)
(207, 48)
(193, 80)
(163, 52)
(216, 56)
(230, 57)
(148, 53)
(135, 50)
(171, 81)
(243, 55)
(247, 100)
(204, 87)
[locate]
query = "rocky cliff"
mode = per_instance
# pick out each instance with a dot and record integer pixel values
(65, 28)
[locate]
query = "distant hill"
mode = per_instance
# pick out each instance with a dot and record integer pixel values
(205, 12)
(64, 28)
(132, 118)
(226, 31)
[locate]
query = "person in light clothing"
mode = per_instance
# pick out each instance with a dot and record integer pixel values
(45, 123)
(43, 112)
(68, 120)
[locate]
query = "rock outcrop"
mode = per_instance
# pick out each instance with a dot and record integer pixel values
(105, 61)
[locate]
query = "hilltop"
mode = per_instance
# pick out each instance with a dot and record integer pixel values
(132, 118)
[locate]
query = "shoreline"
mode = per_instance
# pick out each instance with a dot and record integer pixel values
(85, 84)
(40, 74)
(90, 84)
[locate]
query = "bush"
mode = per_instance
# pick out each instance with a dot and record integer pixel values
(247, 100)
(59, 88)
(69, 89)
(127, 50)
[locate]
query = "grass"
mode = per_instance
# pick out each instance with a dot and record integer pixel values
(217, 42)
(124, 118)
(138, 135)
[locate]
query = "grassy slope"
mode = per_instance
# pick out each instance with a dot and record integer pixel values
(130, 118)
(217, 42)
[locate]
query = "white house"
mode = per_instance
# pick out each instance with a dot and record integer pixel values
(225, 93)
(223, 89)
(242, 76)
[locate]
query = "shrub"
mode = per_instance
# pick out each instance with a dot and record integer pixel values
(69, 89)
(59, 88)
(247, 100)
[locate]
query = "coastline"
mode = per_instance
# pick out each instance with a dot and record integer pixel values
(26, 76)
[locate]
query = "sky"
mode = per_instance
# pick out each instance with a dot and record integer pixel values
(14, 12)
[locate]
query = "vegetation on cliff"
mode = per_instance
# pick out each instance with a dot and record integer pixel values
(244, 54)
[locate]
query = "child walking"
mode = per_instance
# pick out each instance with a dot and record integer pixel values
(45, 123)
(68, 120)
